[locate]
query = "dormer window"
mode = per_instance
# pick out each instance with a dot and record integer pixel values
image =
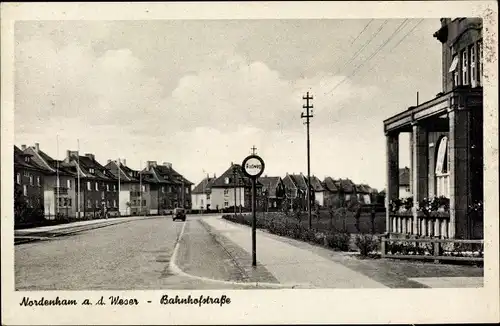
(226, 180)
(91, 170)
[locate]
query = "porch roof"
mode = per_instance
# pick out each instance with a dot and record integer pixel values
(434, 107)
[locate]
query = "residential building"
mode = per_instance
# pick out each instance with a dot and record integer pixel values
(232, 188)
(274, 191)
(296, 189)
(332, 193)
(134, 193)
(98, 191)
(180, 186)
(347, 190)
(162, 193)
(28, 188)
(446, 141)
(363, 193)
(201, 194)
(404, 183)
(319, 191)
(59, 195)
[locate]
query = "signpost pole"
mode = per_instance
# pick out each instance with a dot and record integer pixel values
(254, 224)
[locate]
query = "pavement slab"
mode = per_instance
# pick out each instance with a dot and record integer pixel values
(290, 264)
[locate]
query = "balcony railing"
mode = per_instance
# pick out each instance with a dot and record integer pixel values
(61, 190)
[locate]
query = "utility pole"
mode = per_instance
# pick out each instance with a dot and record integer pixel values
(78, 175)
(140, 187)
(307, 116)
(58, 185)
(234, 182)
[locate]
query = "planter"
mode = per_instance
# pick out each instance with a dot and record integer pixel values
(434, 214)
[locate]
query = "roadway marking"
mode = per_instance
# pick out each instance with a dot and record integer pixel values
(178, 271)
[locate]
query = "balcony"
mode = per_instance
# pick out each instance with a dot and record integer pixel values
(62, 191)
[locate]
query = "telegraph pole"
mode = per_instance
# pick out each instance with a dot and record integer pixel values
(234, 182)
(307, 116)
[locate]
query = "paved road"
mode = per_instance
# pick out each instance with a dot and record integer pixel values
(127, 256)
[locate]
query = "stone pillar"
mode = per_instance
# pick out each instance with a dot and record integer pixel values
(460, 176)
(420, 168)
(392, 160)
(411, 163)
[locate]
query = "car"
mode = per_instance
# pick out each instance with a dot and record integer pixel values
(179, 213)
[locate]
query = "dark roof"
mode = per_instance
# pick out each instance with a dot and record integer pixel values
(100, 172)
(316, 184)
(126, 174)
(289, 182)
(331, 185)
(204, 186)
(241, 178)
(346, 185)
(170, 175)
(19, 161)
(47, 162)
(404, 176)
(270, 184)
(300, 181)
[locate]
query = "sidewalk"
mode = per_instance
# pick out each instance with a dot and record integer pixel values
(292, 261)
(46, 232)
(290, 264)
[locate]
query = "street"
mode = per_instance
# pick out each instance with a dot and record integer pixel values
(132, 255)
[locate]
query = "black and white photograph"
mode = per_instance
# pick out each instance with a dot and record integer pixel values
(172, 162)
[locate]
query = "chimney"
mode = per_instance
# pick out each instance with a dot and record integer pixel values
(90, 156)
(68, 153)
(124, 162)
(167, 164)
(151, 164)
(37, 147)
(23, 147)
(109, 161)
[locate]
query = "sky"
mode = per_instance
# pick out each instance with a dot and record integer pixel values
(200, 93)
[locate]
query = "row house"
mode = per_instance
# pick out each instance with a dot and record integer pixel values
(339, 192)
(233, 188)
(162, 193)
(134, 193)
(59, 195)
(296, 190)
(446, 141)
(97, 193)
(273, 189)
(28, 188)
(181, 187)
(363, 193)
(201, 194)
(319, 191)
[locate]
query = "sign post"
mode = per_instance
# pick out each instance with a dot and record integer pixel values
(253, 167)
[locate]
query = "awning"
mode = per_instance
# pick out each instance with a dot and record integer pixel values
(454, 64)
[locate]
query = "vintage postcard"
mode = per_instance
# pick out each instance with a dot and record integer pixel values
(249, 162)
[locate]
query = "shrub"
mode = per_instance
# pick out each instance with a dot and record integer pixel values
(339, 241)
(366, 244)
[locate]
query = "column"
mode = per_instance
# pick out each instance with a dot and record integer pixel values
(392, 159)
(460, 176)
(411, 163)
(420, 168)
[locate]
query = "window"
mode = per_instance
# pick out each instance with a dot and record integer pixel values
(480, 63)
(163, 189)
(453, 69)
(96, 186)
(69, 202)
(226, 180)
(114, 188)
(18, 178)
(91, 170)
(68, 184)
(38, 181)
(208, 196)
(441, 170)
(226, 204)
(202, 202)
(89, 203)
(114, 203)
(187, 191)
(169, 189)
(25, 190)
(31, 180)
(144, 202)
(473, 70)
(465, 66)
(143, 188)
(96, 203)
(107, 187)
(89, 187)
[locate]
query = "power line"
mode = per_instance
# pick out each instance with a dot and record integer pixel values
(360, 33)
(401, 40)
(370, 57)
(358, 52)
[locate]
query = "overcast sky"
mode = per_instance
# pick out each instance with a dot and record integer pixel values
(199, 93)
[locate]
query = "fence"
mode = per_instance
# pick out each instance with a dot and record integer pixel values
(439, 249)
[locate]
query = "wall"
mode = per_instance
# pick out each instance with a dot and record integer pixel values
(403, 192)
(433, 138)
(153, 199)
(196, 201)
(319, 197)
(124, 198)
(50, 194)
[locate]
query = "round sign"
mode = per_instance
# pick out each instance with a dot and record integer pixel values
(253, 166)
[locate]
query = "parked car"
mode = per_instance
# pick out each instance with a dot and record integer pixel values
(179, 213)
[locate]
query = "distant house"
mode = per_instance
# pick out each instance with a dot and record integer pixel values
(347, 189)
(404, 183)
(59, 195)
(98, 191)
(28, 188)
(201, 194)
(319, 191)
(296, 189)
(134, 193)
(274, 190)
(332, 193)
(232, 188)
(363, 193)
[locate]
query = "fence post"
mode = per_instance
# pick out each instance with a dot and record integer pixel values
(382, 246)
(436, 251)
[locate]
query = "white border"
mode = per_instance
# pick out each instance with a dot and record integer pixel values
(263, 306)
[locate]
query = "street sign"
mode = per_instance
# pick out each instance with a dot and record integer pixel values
(253, 167)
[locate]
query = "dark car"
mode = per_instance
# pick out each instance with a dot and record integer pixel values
(179, 213)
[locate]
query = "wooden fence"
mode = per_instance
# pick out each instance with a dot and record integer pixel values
(437, 247)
